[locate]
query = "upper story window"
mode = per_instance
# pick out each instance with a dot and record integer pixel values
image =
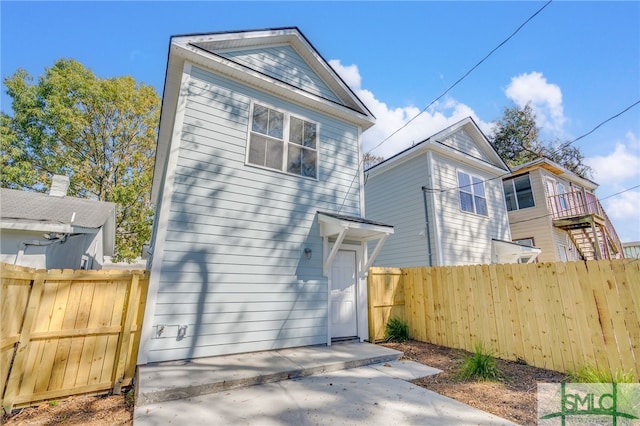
(283, 142)
(561, 196)
(472, 195)
(518, 193)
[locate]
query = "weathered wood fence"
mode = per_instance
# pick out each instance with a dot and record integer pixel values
(559, 316)
(68, 332)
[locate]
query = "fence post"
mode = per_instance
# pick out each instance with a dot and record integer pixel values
(17, 370)
(131, 304)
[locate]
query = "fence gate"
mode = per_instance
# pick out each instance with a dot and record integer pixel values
(68, 332)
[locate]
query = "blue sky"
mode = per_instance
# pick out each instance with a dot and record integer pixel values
(578, 63)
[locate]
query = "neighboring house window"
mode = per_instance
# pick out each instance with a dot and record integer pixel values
(518, 193)
(472, 195)
(283, 142)
(524, 242)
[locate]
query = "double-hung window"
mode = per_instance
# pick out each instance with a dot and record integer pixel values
(283, 142)
(518, 193)
(472, 195)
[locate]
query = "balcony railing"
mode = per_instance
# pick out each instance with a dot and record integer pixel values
(574, 204)
(582, 204)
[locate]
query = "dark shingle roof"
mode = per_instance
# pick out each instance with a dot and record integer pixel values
(24, 206)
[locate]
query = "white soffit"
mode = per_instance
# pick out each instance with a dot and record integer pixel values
(357, 229)
(510, 252)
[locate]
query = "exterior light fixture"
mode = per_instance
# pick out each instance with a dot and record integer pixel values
(307, 253)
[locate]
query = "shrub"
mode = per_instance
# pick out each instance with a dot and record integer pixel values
(396, 330)
(480, 365)
(590, 374)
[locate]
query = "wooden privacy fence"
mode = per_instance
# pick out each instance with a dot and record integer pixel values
(68, 332)
(559, 316)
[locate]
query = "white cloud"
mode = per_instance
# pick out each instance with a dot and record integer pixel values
(624, 206)
(390, 121)
(349, 73)
(624, 212)
(545, 99)
(621, 164)
(618, 171)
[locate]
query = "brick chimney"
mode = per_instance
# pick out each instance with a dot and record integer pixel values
(59, 186)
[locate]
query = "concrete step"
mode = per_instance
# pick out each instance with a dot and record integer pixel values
(169, 381)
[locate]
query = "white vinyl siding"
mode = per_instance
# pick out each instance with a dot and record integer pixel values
(462, 142)
(466, 238)
(233, 268)
(283, 63)
(395, 197)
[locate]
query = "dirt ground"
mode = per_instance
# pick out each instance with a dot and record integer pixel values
(512, 398)
(77, 410)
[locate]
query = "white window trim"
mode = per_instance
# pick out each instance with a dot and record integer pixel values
(515, 193)
(285, 140)
(484, 187)
(520, 240)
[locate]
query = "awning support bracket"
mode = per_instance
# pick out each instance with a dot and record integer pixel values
(334, 251)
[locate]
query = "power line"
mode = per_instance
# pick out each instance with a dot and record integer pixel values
(464, 76)
(455, 188)
(444, 93)
(550, 214)
(564, 145)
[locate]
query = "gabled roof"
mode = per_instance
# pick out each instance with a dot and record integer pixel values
(47, 213)
(233, 55)
(443, 143)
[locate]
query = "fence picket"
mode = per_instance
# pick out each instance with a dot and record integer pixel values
(68, 341)
(629, 303)
(560, 316)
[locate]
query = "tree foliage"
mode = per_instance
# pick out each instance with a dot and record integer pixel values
(101, 133)
(516, 139)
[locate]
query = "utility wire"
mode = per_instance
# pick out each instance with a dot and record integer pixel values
(444, 93)
(564, 145)
(464, 76)
(550, 214)
(455, 188)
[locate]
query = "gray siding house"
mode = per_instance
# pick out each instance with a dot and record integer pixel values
(259, 241)
(55, 231)
(445, 199)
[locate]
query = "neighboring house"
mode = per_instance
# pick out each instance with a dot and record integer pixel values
(631, 250)
(444, 198)
(54, 231)
(259, 241)
(557, 210)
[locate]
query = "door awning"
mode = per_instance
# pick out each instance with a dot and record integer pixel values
(510, 252)
(351, 228)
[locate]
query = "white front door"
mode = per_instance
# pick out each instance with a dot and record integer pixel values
(343, 295)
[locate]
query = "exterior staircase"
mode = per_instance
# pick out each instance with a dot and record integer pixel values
(588, 226)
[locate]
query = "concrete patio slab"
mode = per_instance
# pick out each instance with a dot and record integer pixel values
(405, 370)
(366, 395)
(182, 379)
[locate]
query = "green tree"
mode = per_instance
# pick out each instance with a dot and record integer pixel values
(516, 139)
(99, 132)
